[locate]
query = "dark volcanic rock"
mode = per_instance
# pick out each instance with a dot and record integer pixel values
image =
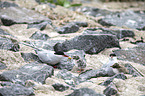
(69, 28)
(84, 92)
(120, 33)
(39, 36)
(2, 66)
(96, 12)
(8, 44)
(128, 18)
(17, 15)
(40, 26)
(136, 54)
(36, 72)
(90, 43)
(60, 87)
(16, 90)
(7, 4)
(110, 90)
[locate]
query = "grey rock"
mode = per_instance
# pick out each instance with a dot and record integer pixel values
(84, 92)
(128, 18)
(81, 24)
(40, 26)
(39, 36)
(96, 12)
(110, 90)
(119, 33)
(16, 90)
(88, 74)
(69, 28)
(2, 66)
(135, 54)
(65, 64)
(65, 74)
(36, 72)
(8, 44)
(91, 44)
(109, 80)
(30, 57)
(60, 87)
(7, 4)
(132, 70)
(17, 15)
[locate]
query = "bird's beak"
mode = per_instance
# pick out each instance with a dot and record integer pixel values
(70, 58)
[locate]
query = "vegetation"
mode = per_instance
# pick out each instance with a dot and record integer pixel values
(64, 3)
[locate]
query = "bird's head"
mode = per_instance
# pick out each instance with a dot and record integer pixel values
(62, 54)
(112, 55)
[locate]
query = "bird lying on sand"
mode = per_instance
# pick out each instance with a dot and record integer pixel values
(48, 56)
(119, 69)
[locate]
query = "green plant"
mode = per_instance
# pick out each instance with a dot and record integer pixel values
(64, 3)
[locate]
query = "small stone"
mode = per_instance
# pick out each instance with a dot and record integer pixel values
(60, 87)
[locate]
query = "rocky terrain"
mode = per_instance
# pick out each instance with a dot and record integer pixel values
(91, 31)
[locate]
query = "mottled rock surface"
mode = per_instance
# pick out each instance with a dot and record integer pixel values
(36, 72)
(90, 43)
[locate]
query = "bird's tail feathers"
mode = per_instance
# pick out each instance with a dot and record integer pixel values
(31, 45)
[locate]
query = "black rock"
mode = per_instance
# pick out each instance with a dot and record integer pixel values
(36, 72)
(8, 44)
(7, 4)
(91, 44)
(135, 54)
(40, 26)
(17, 15)
(109, 80)
(120, 33)
(60, 87)
(84, 92)
(2, 66)
(128, 18)
(39, 36)
(65, 74)
(69, 28)
(16, 90)
(110, 90)
(96, 12)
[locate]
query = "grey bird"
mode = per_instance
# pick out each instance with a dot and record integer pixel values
(48, 56)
